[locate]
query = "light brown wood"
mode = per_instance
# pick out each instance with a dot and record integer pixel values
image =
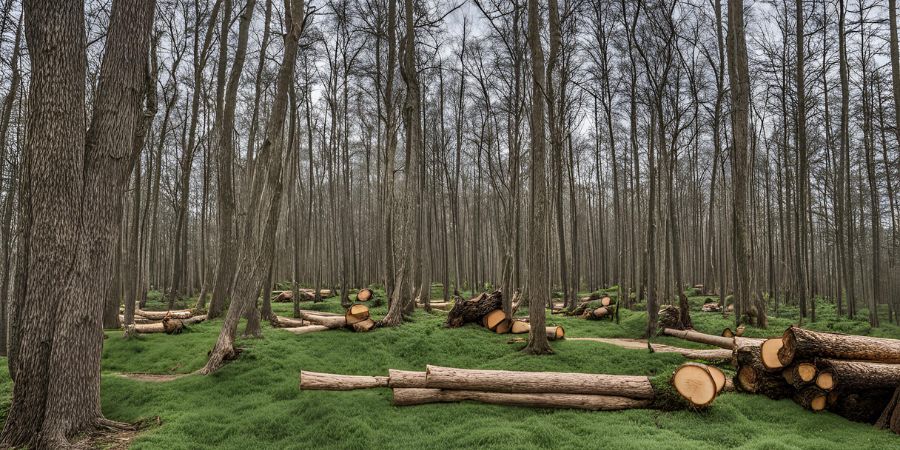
(306, 329)
(363, 326)
(769, 354)
(811, 398)
(696, 384)
(825, 381)
(493, 318)
(503, 327)
(694, 336)
(328, 321)
(414, 396)
(333, 382)
(555, 333)
(719, 377)
(405, 379)
(159, 315)
(712, 355)
(364, 295)
(545, 382)
(606, 301)
(356, 314)
(519, 327)
(859, 375)
(287, 322)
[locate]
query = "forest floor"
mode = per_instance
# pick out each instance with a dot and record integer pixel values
(254, 402)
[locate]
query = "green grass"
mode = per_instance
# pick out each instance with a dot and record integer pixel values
(254, 402)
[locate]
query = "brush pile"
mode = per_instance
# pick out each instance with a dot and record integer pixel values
(695, 386)
(857, 377)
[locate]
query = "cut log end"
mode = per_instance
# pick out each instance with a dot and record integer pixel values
(718, 376)
(519, 327)
(356, 314)
(493, 319)
(769, 354)
(825, 380)
(806, 372)
(364, 295)
(606, 301)
(696, 384)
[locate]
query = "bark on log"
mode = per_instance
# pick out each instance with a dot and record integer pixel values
(287, 322)
(800, 375)
(405, 379)
(603, 312)
(306, 329)
(311, 381)
(863, 406)
(554, 333)
(328, 321)
(474, 309)
(861, 375)
(158, 327)
(811, 398)
(160, 315)
(694, 336)
(414, 396)
(801, 343)
(712, 355)
(538, 382)
(755, 381)
(492, 319)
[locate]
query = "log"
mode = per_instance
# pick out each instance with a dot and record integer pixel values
(824, 380)
(712, 307)
(365, 325)
(755, 381)
(719, 377)
(800, 375)
(160, 315)
(890, 416)
(519, 327)
(311, 381)
(172, 326)
(800, 343)
(159, 327)
(405, 379)
(364, 295)
(694, 336)
(696, 384)
(415, 396)
(503, 327)
(474, 309)
(555, 333)
(714, 355)
(860, 375)
(137, 319)
(606, 301)
(603, 312)
(306, 329)
(811, 398)
(769, 351)
(493, 318)
(328, 321)
(287, 322)
(538, 382)
(356, 314)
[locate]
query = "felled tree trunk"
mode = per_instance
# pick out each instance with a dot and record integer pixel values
(175, 325)
(603, 312)
(306, 329)
(811, 398)
(800, 343)
(331, 382)
(694, 336)
(543, 382)
(800, 375)
(406, 379)
(474, 309)
(860, 375)
(418, 396)
(327, 321)
(753, 377)
(160, 315)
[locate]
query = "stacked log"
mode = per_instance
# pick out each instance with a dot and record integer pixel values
(697, 386)
(850, 375)
(603, 312)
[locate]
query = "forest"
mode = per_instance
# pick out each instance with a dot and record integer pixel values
(676, 203)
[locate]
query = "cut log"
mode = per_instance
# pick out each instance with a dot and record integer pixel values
(890, 416)
(711, 307)
(860, 375)
(694, 336)
(538, 382)
(328, 321)
(519, 327)
(603, 312)
(405, 379)
(555, 333)
(800, 374)
(713, 355)
(287, 322)
(769, 353)
(306, 329)
(719, 377)
(310, 381)
(365, 325)
(137, 319)
(493, 318)
(364, 295)
(474, 309)
(825, 380)
(414, 396)
(503, 327)
(606, 301)
(356, 314)
(159, 327)
(160, 315)
(811, 398)
(801, 343)
(172, 326)
(696, 384)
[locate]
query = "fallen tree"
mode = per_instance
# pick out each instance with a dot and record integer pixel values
(860, 375)
(419, 396)
(167, 325)
(474, 309)
(160, 315)
(800, 343)
(333, 382)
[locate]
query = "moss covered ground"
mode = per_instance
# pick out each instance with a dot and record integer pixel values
(254, 402)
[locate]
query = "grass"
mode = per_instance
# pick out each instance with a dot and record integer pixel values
(254, 402)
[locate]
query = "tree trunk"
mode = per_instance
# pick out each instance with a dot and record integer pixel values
(802, 344)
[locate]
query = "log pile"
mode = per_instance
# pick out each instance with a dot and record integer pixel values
(696, 386)
(486, 310)
(853, 376)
